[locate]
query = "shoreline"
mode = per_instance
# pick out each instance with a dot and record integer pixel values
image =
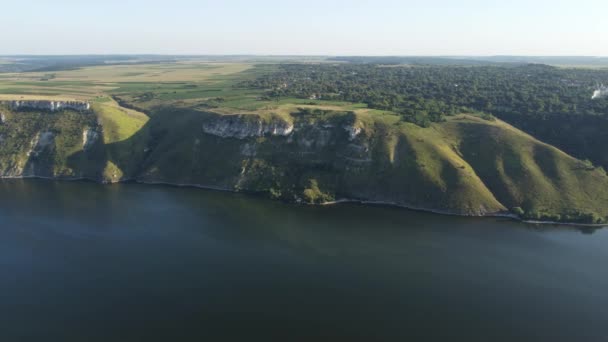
(447, 213)
(336, 202)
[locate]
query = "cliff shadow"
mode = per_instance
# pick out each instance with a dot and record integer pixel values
(39, 144)
(164, 145)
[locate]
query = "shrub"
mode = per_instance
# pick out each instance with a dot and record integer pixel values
(518, 211)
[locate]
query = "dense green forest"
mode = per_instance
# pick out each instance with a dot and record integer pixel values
(551, 103)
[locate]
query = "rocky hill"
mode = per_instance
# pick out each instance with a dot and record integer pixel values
(465, 166)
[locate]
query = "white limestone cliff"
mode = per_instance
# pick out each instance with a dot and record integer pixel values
(243, 126)
(48, 105)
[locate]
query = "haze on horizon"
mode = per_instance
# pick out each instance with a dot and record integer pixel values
(314, 27)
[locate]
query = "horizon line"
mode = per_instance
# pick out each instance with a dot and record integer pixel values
(289, 55)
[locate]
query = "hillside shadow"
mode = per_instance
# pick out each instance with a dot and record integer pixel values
(162, 136)
(40, 158)
(44, 138)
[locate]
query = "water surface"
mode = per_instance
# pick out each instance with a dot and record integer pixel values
(86, 262)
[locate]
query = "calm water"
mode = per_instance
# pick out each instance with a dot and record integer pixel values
(85, 262)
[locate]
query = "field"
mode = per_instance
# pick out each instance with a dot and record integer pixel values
(208, 86)
(192, 84)
(90, 82)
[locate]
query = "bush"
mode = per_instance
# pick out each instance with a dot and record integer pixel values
(314, 195)
(518, 211)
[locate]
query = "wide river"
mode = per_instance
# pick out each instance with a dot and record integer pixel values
(88, 262)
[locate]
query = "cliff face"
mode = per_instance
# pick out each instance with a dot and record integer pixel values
(247, 126)
(38, 143)
(46, 105)
(465, 166)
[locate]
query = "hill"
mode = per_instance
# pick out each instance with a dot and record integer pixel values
(465, 165)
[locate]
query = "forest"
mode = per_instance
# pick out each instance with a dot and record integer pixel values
(549, 102)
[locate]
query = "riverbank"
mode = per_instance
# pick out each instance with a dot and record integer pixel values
(444, 212)
(336, 202)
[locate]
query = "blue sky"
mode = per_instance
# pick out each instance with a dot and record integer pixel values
(312, 27)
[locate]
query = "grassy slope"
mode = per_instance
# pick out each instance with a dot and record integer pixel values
(120, 125)
(469, 162)
(466, 165)
(524, 172)
(414, 166)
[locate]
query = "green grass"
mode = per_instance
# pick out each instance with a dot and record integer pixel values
(524, 172)
(118, 123)
(124, 136)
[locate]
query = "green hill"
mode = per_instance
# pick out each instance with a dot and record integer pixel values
(546, 183)
(465, 165)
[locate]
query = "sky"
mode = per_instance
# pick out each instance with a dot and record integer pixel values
(305, 27)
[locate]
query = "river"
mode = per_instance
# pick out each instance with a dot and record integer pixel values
(128, 262)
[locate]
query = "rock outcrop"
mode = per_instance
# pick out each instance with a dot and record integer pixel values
(40, 142)
(48, 105)
(89, 137)
(243, 126)
(353, 131)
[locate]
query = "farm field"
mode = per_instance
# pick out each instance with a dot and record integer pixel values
(185, 84)
(89, 82)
